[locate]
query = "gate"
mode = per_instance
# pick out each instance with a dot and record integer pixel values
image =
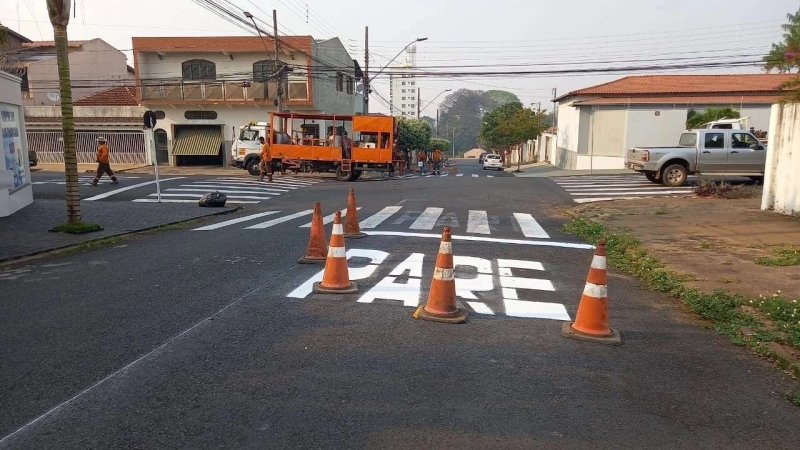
(125, 147)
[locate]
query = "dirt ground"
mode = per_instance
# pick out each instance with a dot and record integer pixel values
(716, 241)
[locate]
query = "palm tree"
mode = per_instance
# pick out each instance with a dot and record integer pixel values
(59, 17)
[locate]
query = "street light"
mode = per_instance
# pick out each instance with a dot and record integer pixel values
(434, 98)
(368, 81)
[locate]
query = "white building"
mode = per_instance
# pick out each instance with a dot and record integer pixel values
(203, 88)
(596, 125)
(403, 89)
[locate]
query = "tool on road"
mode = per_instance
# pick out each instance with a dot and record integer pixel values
(317, 246)
(336, 278)
(352, 229)
(591, 320)
(441, 305)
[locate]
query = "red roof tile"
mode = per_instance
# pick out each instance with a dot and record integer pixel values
(688, 84)
(217, 44)
(118, 96)
(684, 100)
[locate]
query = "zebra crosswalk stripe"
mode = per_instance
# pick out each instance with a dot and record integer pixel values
(478, 222)
(427, 219)
(227, 186)
(379, 217)
(235, 221)
(530, 227)
(224, 191)
(474, 175)
(273, 222)
(199, 196)
(329, 218)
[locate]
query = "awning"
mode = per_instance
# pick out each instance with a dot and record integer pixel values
(197, 141)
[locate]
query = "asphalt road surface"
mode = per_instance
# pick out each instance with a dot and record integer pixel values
(208, 336)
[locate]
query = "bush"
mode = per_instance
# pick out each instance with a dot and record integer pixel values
(724, 190)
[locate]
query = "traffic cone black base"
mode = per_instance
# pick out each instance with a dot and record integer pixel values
(355, 235)
(352, 289)
(459, 317)
(612, 339)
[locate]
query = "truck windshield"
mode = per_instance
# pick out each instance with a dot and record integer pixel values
(248, 135)
(688, 140)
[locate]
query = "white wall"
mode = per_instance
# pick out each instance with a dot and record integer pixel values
(13, 198)
(781, 181)
(759, 115)
(607, 131)
(646, 129)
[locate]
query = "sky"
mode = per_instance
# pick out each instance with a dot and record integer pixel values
(496, 36)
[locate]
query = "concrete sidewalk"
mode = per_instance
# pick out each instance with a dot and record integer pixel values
(25, 233)
(545, 169)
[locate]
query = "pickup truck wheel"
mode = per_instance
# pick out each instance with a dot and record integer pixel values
(651, 176)
(252, 167)
(674, 175)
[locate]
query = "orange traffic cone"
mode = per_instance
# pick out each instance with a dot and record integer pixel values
(591, 320)
(336, 278)
(352, 230)
(317, 246)
(441, 305)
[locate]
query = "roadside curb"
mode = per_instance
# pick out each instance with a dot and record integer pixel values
(41, 253)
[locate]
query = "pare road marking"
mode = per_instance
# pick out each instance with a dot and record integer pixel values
(477, 282)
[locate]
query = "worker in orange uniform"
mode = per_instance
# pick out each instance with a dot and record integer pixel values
(437, 160)
(265, 165)
(103, 165)
(421, 158)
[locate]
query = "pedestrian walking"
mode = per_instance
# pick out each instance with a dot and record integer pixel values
(265, 165)
(103, 165)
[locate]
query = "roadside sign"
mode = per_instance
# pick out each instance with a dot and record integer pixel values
(149, 119)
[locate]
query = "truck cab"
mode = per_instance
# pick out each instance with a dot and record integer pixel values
(246, 148)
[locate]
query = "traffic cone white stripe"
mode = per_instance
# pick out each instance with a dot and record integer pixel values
(338, 229)
(599, 262)
(446, 248)
(595, 290)
(337, 252)
(443, 274)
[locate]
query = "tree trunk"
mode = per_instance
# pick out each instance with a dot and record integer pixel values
(68, 123)
(519, 159)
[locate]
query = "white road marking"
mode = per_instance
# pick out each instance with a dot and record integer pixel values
(610, 185)
(530, 227)
(413, 264)
(328, 219)
(664, 192)
(276, 180)
(175, 200)
(478, 222)
(482, 282)
(255, 183)
(224, 191)
(485, 239)
(474, 175)
(127, 188)
(444, 175)
(603, 199)
(272, 222)
(459, 174)
(218, 186)
(480, 308)
(536, 310)
(387, 289)
(427, 219)
(536, 284)
(198, 196)
(428, 176)
(380, 216)
(489, 176)
(235, 221)
(356, 273)
(612, 191)
(518, 264)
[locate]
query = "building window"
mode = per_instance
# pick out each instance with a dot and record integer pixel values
(350, 85)
(403, 105)
(413, 83)
(200, 115)
(298, 84)
(404, 83)
(413, 113)
(199, 69)
(262, 70)
(413, 98)
(404, 91)
(339, 82)
(160, 115)
(404, 98)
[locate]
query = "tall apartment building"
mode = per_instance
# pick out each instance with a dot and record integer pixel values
(403, 89)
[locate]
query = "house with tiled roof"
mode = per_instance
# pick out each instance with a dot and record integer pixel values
(204, 88)
(597, 124)
(94, 64)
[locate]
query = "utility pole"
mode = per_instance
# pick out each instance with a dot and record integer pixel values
(454, 143)
(279, 96)
(419, 102)
(555, 113)
(437, 122)
(366, 71)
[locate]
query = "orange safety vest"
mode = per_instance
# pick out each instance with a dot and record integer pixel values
(102, 154)
(265, 152)
(437, 155)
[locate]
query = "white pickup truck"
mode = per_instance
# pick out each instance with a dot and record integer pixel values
(704, 152)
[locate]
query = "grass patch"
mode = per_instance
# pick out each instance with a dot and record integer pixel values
(787, 256)
(727, 312)
(662, 211)
(712, 189)
(76, 228)
(705, 245)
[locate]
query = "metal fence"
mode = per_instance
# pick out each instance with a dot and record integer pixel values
(125, 147)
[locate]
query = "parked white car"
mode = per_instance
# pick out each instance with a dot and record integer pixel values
(492, 162)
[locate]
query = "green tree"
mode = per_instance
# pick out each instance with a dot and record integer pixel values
(510, 125)
(413, 134)
(59, 17)
(430, 120)
(785, 57)
(495, 98)
(441, 144)
(696, 119)
(461, 114)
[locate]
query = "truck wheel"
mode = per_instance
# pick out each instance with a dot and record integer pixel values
(252, 167)
(674, 175)
(651, 176)
(342, 175)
